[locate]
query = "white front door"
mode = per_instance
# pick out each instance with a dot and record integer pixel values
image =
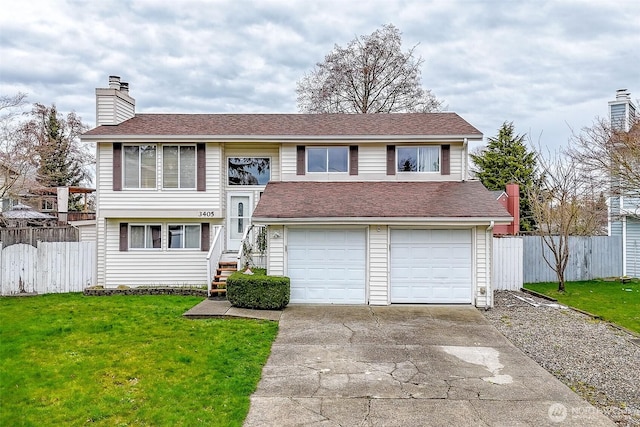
(238, 219)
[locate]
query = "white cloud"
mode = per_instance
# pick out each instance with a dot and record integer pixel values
(544, 65)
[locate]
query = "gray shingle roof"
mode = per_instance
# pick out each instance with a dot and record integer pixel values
(303, 125)
(289, 200)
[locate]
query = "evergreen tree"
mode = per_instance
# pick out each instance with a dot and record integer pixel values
(59, 159)
(505, 160)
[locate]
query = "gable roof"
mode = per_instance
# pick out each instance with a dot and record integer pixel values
(390, 200)
(292, 125)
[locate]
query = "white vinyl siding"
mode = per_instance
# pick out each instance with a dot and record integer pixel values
(483, 263)
(150, 267)
(372, 165)
(155, 199)
(111, 110)
(275, 250)
(378, 265)
(633, 247)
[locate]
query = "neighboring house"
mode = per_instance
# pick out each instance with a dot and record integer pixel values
(8, 177)
(358, 209)
(510, 199)
(624, 210)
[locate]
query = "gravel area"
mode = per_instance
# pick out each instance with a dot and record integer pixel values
(596, 360)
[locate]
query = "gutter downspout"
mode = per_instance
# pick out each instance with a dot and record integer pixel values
(465, 159)
(488, 265)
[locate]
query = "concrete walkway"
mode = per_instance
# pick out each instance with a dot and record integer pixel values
(405, 366)
(222, 308)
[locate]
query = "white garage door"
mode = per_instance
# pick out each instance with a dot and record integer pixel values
(327, 266)
(431, 266)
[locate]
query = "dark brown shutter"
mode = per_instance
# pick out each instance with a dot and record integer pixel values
(124, 236)
(445, 163)
(300, 166)
(391, 159)
(201, 164)
(204, 236)
(353, 160)
(117, 166)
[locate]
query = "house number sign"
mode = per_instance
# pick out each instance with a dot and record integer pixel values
(207, 214)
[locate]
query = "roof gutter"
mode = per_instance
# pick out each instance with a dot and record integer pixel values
(335, 139)
(452, 221)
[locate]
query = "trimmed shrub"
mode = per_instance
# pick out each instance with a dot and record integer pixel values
(258, 290)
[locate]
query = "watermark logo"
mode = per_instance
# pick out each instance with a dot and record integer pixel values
(557, 412)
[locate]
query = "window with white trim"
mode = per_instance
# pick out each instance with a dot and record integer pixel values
(184, 236)
(248, 170)
(179, 166)
(327, 159)
(139, 166)
(145, 236)
(418, 159)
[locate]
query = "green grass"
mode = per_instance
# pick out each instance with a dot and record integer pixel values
(614, 301)
(125, 361)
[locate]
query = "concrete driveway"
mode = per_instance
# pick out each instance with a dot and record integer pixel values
(406, 366)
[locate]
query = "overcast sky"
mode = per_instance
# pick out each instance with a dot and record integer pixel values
(546, 66)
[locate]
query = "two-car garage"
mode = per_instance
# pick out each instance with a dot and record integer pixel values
(329, 265)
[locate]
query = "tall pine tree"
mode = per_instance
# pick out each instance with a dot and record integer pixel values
(59, 158)
(505, 160)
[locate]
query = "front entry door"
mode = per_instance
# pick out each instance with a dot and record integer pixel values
(238, 219)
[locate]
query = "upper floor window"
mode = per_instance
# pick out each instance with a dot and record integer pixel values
(418, 159)
(249, 170)
(179, 166)
(140, 166)
(144, 236)
(327, 159)
(185, 236)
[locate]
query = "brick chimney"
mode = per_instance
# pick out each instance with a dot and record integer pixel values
(113, 104)
(513, 207)
(511, 202)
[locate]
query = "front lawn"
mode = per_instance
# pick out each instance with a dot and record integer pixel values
(612, 300)
(125, 360)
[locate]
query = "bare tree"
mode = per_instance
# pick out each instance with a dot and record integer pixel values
(564, 203)
(15, 158)
(611, 155)
(370, 75)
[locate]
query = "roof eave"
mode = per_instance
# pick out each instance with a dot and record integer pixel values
(280, 138)
(384, 220)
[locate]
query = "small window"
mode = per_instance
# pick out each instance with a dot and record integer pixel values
(139, 166)
(249, 170)
(418, 159)
(184, 236)
(179, 166)
(327, 159)
(144, 236)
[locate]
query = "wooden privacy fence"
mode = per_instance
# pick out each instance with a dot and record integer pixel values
(52, 267)
(31, 235)
(519, 260)
(589, 258)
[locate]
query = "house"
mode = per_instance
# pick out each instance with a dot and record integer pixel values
(624, 209)
(510, 200)
(355, 209)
